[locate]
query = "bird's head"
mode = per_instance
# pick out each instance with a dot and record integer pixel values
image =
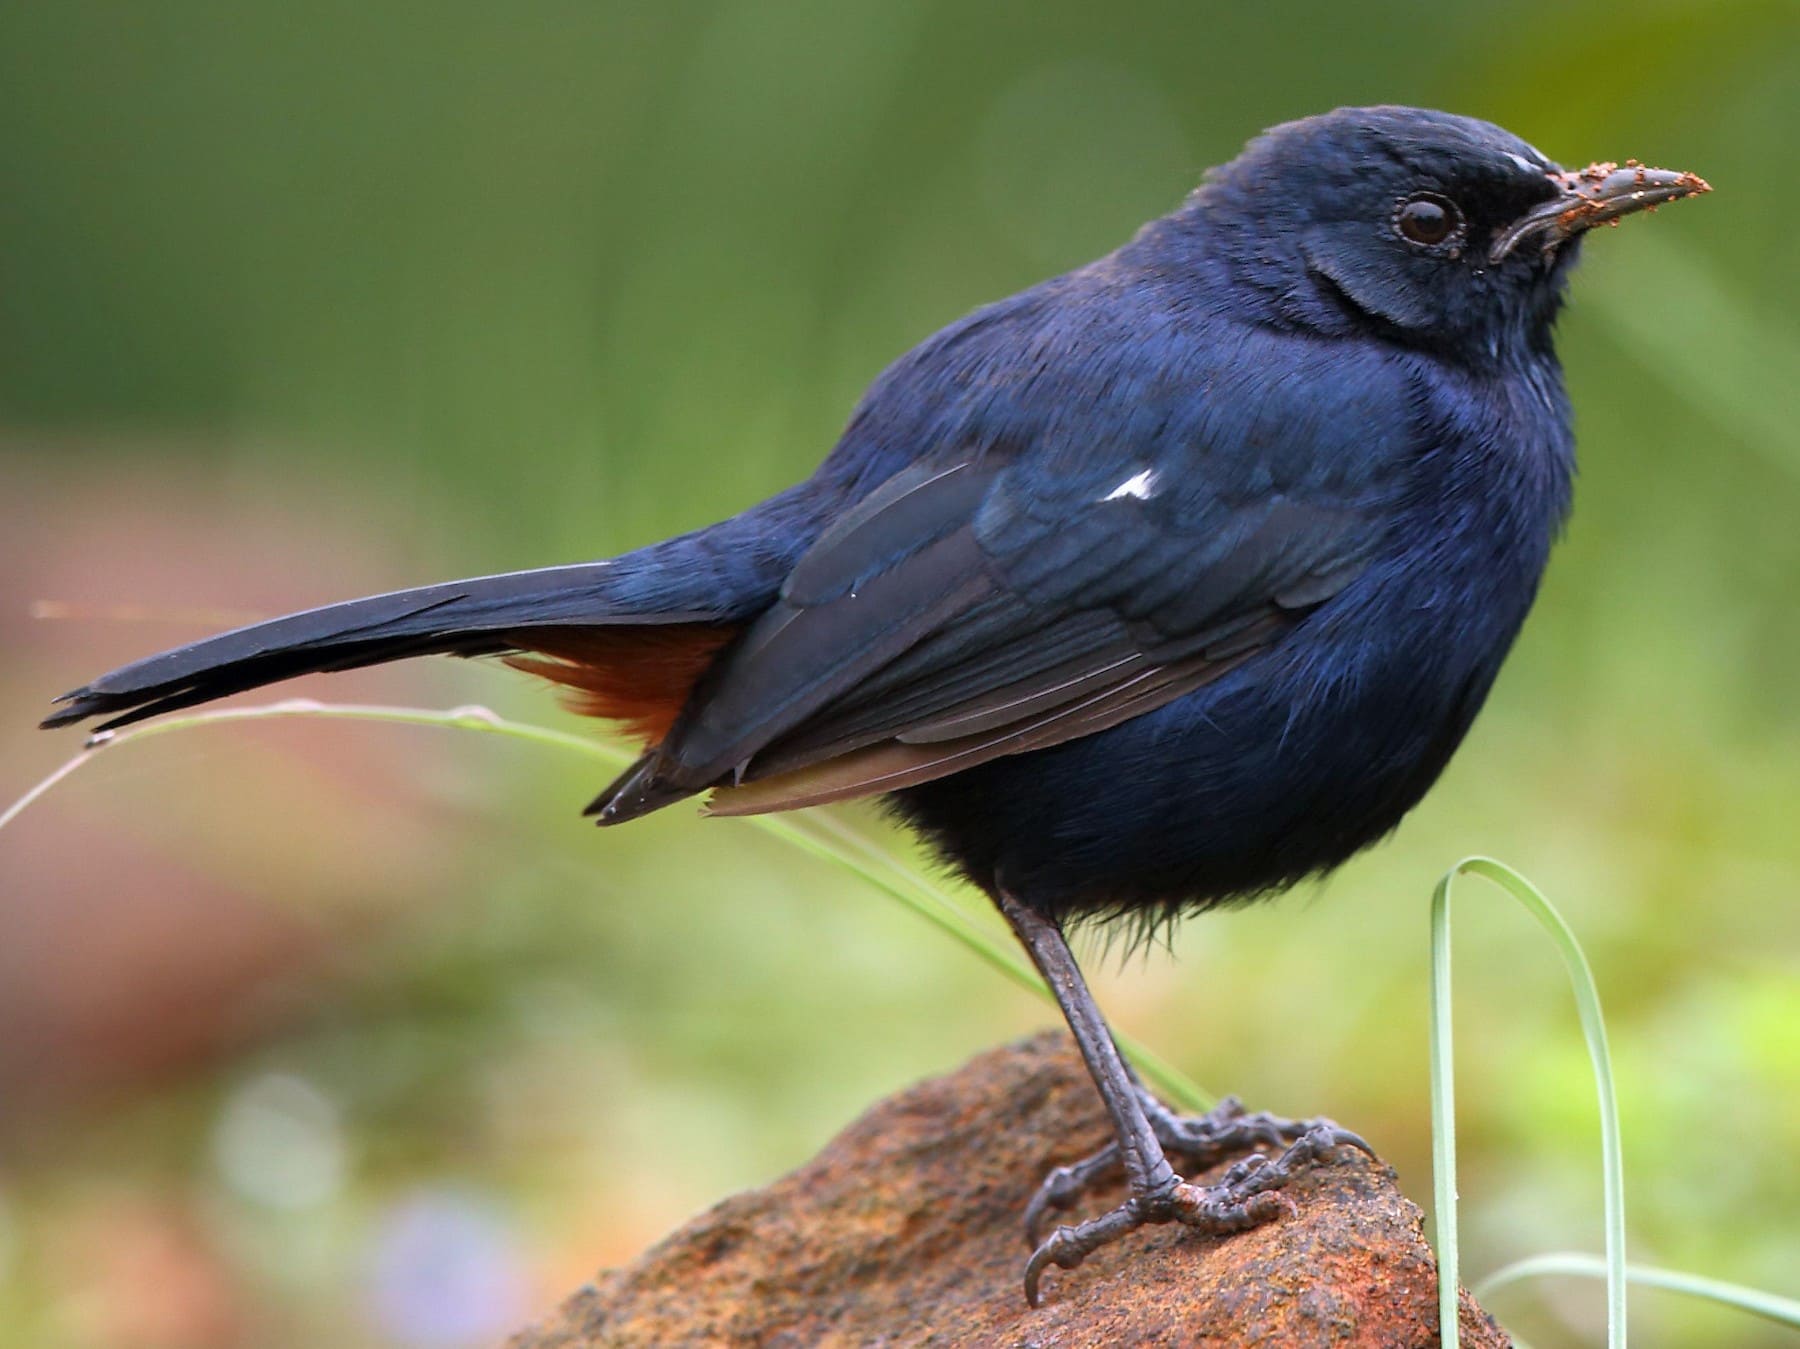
(1440, 231)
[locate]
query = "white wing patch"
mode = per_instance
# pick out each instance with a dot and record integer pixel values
(1141, 485)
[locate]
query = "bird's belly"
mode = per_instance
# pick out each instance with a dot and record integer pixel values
(1284, 768)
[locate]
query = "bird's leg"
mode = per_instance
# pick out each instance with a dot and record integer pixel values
(1143, 1128)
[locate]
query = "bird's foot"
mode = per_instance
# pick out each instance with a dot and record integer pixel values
(1243, 1198)
(1206, 1140)
(1202, 1141)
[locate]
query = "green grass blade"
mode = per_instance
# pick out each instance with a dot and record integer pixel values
(1593, 1026)
(816, 834)
(1443, 1121)
(17, 808)
(1783, 1311)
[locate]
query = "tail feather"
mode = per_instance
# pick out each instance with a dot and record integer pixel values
(627, 638)
(125, 704)
(490, 615)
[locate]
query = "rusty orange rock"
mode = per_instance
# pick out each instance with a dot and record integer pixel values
(905, 1230)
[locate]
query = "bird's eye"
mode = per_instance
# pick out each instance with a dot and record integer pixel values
(1428, 219)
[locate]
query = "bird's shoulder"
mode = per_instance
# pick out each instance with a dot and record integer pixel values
(1086, 381)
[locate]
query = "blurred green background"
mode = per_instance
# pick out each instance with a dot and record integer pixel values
(337, 1034)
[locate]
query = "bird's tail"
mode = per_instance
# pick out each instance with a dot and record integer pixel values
(629, 662)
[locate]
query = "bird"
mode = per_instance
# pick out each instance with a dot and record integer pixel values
(1159, 586)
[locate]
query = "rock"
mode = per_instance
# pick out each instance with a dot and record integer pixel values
(906, 1230)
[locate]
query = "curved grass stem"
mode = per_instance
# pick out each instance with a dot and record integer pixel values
(816, 834)
(1443, 1091)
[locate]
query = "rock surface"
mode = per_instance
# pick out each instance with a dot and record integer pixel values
(906, 1230)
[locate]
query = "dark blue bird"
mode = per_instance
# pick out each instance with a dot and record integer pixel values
(1163, 584)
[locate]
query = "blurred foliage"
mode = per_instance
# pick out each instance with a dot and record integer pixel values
(302, 301)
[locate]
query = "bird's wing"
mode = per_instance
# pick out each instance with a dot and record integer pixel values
(968, 610)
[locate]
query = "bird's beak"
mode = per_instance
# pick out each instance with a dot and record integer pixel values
(1597, 195)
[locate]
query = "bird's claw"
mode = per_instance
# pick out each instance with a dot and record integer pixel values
(1063, 1186)
(1242, 1200)
(1244, 1197)
(1067, 1247)
(1201, 1141)
(1205, 1140)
